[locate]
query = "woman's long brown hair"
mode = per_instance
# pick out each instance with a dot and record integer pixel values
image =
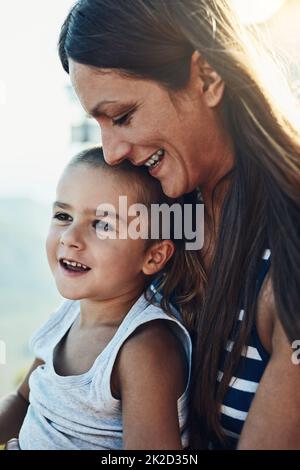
(155, 39)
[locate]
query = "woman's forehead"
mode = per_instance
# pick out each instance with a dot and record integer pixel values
(103, 87)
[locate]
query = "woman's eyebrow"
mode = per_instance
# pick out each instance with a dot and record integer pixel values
(97, 110)
(100, 108)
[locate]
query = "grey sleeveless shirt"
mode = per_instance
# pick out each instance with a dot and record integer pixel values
(79, 411)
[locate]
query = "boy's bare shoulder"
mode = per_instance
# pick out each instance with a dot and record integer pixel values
(153, 330)
(150, 374)
(153, 349)
(155, 340)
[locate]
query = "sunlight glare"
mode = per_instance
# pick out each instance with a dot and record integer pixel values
(256, 11)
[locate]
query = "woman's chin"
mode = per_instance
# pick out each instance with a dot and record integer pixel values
(171, 190)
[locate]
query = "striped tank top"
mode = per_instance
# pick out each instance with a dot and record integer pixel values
(244, 383)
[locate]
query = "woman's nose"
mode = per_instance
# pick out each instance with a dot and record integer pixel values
(114, 149)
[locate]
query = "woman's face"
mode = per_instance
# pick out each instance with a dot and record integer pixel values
(139, 119)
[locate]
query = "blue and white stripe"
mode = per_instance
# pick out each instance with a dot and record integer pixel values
(244, 383)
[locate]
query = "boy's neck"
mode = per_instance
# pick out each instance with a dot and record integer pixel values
(108, 312)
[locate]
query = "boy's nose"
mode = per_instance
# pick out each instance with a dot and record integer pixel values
(71, 239)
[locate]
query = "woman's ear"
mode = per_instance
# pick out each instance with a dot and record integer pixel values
(206, 79)
(157, 256)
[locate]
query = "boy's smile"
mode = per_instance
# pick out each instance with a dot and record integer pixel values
(72, 267)
(83, 264)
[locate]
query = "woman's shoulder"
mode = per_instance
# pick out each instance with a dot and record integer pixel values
(268, 323)
(277, 397)
(266, 314)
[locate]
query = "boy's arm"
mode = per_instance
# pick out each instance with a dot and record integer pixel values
(150, 374)
(13, 408)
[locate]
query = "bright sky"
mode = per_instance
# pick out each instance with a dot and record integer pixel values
(34, 108)
(35, 113)
(256, 11)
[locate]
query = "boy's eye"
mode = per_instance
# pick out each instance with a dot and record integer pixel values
(103, 226)
(63, 217)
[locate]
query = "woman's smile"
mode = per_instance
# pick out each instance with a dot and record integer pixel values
(169, 132)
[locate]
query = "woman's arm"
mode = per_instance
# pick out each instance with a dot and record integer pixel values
(13, 408)
(150, 375)
(273, 421)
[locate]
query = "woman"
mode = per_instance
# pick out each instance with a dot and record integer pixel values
(173, 87)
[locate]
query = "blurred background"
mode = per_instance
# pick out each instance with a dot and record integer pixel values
(41, 126)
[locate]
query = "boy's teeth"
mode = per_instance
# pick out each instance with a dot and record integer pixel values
(73, 263)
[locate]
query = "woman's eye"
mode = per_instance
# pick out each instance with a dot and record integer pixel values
(123, 120)
(62, 217)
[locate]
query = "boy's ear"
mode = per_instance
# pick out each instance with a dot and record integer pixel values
(157, 256)
(208, 81)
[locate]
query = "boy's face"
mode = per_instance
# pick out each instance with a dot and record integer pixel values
(113, 266)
